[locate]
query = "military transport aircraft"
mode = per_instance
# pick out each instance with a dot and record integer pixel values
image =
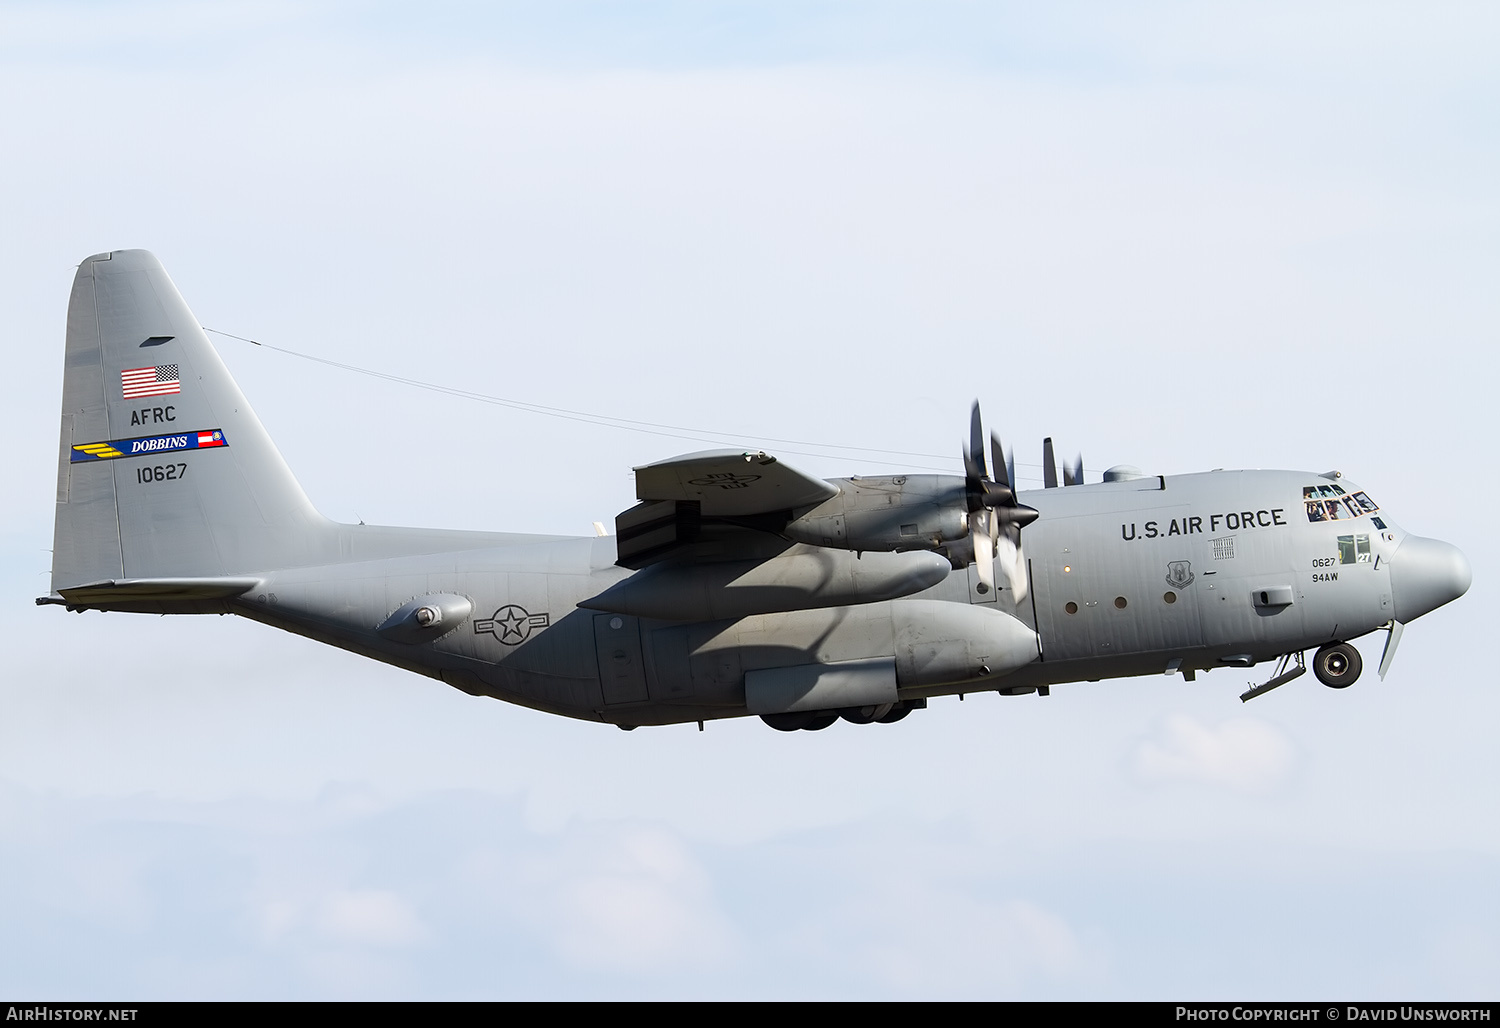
(738, 585)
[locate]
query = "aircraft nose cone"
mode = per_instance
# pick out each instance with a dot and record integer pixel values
(1425, 574)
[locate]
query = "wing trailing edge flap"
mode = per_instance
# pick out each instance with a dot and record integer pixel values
(155, 595)
(711, 506)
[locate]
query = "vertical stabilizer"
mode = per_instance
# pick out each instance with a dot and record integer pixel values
(164, 471)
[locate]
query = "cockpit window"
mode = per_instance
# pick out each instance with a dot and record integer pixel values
(1330, 503)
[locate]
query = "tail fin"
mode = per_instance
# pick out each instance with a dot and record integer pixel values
(164, 472)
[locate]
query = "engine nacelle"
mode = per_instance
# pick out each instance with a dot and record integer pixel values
(838, 657)
(899, 512)
(942, 643)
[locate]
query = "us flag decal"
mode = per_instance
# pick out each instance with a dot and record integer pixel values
(157, 381)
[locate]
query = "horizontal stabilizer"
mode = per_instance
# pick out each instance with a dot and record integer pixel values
(149, 593)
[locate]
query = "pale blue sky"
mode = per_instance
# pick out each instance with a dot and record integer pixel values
(1172, 235)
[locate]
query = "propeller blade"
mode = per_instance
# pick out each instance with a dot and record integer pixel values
(984, 554)
(974, 455)
(1391, 642)
(1009, 559)
(997, 454)
(1074, 475)
(1049, 465)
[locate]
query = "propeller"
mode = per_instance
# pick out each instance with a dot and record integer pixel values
(1072, 475)
(995, 518)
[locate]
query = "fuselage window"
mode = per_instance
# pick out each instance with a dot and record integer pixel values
(1354, 549)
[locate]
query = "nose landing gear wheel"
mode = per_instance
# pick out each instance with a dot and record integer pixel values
(1337, 665)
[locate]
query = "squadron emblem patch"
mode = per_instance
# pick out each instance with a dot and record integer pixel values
(1180, 573)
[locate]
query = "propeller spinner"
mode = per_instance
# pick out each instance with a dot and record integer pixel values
(995, 518)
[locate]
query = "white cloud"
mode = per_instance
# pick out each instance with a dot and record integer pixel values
(1242, 754)
(369, 917)
(622, 899)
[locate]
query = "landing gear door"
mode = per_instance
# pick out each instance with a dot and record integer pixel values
(622, 674)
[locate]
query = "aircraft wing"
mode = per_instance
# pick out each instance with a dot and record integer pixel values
(711, 506)
(730, 483)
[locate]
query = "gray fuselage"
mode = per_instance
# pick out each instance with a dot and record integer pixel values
(1126, 578)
